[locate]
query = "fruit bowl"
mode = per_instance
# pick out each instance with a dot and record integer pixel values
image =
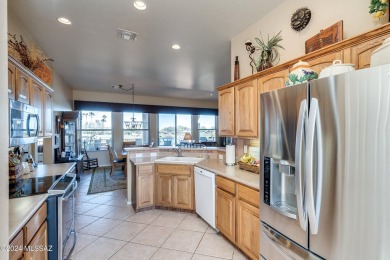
(255, 168)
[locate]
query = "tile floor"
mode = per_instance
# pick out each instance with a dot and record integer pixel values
(108, 228)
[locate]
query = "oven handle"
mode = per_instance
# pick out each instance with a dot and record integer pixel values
(72, 192)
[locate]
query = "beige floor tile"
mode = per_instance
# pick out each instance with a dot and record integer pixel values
(100, 199)
(84, 207)
(100, 226)
(125, 231)
(121, 213)
(135, 251)
(100, 210)
(119, 202)
(101, 249)
(205, 257)
(82, 240)
(215, 245)
(194, 223)
(237, 255)
(81, 221)
(169, 219)
(211, 230)
(165, 254)
(153, 235)
(145, 217)
(183, 240)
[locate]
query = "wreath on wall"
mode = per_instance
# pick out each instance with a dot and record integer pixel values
(378, 8)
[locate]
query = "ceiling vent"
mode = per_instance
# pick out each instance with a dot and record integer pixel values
(126, 35)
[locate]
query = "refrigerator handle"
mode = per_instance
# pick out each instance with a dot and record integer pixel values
(299, 174)
(314, 133)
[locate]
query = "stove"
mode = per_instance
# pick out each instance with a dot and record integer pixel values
(32, 186)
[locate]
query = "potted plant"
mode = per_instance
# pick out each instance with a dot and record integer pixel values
(268, 51)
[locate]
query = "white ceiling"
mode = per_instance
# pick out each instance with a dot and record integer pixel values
(89, 56)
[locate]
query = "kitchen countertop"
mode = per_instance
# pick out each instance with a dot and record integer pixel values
(21, 210)
(145, 160)
(49, 170)
(231, 172)
(210, 148)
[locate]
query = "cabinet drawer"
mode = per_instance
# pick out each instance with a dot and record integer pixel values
(174, 168)
(34, 223)
(16, 246)
(226, 185)
(148, 168)
(249, 195)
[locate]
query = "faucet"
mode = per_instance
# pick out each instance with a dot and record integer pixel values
(179, 151)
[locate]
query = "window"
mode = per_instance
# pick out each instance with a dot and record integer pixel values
(136, 130)
(96, 129)
(206, 128)
(172, 128)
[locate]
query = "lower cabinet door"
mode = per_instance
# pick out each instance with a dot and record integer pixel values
(145, 190)
(225, 214)
(37, 249)
(183, 192)
(248, 226)
(164, 190)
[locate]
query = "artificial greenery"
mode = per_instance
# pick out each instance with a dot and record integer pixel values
(268, 50)
(378, 8)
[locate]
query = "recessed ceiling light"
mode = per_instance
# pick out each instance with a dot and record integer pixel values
(140, 5)
(176, 46)
(64, 20)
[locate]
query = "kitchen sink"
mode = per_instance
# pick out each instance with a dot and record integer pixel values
(179, 160)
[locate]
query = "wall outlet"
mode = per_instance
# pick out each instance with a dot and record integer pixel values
(245, 148)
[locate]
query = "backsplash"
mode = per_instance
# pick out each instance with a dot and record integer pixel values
(241, 142)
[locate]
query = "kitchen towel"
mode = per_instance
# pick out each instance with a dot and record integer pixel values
(230, 154)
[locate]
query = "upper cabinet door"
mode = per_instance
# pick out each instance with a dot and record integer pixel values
(226, 112)
(246, 98)
(37, 93)
(322, 62)
(48, 114)
(22, 87)
(361, 54)
(273, 81)
(11, 80)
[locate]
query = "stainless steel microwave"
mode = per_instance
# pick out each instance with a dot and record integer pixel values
(23, 123)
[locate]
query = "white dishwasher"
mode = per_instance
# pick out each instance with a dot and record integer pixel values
(205, 195)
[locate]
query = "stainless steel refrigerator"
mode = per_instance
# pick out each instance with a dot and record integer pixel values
(325, 171)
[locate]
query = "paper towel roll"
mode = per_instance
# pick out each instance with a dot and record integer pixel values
(230, 154)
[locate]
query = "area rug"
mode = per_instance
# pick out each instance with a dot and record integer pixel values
(102, 181)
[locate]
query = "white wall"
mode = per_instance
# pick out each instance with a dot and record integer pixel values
(62, 96)
(3, 125)
(146, 100)
(354, 13)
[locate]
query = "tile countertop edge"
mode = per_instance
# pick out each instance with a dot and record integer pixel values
(21, 210)
(231, 172)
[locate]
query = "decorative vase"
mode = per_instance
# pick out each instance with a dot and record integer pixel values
(265, 61)
(301, 72)
(236, 69)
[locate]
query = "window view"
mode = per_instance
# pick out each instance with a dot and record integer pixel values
(96, 130)
(206, 128)
(172, 128)
(136, 128)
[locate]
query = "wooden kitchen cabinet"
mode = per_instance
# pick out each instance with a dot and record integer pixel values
(248, 221)
(48, 114)
(319, 63)
(37, 249)
(11, 80)
(273, 81)
(361, 54)
(225, 207)
(17, 247)
(23, 83)
(145, 186)
(226, 112)
(246, 110)
(175, 186)
(37, 95)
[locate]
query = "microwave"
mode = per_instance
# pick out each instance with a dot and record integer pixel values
(23, 123)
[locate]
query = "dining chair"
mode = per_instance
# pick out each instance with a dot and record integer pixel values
(89, 163)
(116, 162)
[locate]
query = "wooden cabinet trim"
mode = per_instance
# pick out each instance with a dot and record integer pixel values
(226, 185)
(174, 169)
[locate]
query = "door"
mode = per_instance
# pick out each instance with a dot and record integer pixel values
(22, 87)
(225, 214)
(349, 202)
(11, 80)
(248, 225)
(145, 190)
(226, 112)
(279, 121)
(246, 109)
(183, 192)
(164, 190)
(273, 81)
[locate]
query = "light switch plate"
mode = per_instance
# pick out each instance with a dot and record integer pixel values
(245, 148)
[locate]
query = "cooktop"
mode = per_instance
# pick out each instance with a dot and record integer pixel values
(31, 186)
